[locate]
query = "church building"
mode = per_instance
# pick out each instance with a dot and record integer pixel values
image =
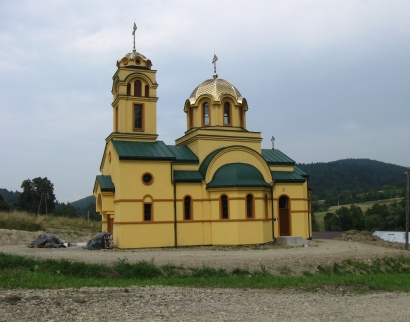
(215, 186)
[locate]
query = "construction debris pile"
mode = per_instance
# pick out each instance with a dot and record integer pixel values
(44, 241)
(102, 241)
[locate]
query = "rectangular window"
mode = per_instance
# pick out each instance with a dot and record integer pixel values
(147, 212)
(137, 117)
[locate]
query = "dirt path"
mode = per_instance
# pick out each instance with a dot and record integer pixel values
(274, 258)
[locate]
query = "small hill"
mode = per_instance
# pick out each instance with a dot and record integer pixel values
(9, 196)
(84, 202)
(352, 174)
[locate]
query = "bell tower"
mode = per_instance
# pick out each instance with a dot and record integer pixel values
(135, 98)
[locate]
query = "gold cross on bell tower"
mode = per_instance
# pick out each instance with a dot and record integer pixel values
(133, 33)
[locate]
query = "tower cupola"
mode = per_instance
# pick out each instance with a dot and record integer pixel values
(216, 102)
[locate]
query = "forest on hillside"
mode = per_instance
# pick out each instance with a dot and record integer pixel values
(355, 175)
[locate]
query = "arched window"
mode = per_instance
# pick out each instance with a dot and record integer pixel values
(224, 207)
(146, 91)
(190, 118)
(241, 116)
(116, 119)
(137, 88)
(147, 208)
(128, 89)
(187, 208)
(249, 206)
(138, 117)
(206, 114)
(227, 113)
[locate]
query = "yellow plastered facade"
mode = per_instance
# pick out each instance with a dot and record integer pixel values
(215, 186)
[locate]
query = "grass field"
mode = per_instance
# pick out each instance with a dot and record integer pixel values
(24, 221)
(388, 274)
(363, 205)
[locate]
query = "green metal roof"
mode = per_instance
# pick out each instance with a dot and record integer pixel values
(238, 175)
(187, 176)
(183, 154)
(106, 183)
(275, 157)
(205, 163)
(283, 176)
(300, 172)
(130, 150)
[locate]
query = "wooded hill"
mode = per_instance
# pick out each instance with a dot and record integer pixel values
(352, 174)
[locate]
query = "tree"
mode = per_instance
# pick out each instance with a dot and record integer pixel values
(37, 196)
(66, 210)
(315, 225)
(345, 219)
(4, 206)
(331, 222)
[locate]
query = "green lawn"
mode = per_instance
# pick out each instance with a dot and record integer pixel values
(387, 274)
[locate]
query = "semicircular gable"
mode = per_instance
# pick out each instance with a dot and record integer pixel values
(234, 154)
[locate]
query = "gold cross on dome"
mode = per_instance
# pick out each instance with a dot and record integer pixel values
(214, 62)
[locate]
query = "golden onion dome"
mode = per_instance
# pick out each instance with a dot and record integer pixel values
(216, 88)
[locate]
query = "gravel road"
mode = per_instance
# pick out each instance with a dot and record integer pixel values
(190, 304)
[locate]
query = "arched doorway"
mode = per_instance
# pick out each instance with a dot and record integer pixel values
(284, 216)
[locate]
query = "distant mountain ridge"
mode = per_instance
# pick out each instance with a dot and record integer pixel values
(352, 174)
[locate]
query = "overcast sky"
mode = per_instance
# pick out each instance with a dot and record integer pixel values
(329, 79)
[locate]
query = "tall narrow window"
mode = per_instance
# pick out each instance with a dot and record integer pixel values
(137, 88)
(241, 116)
(249, 206)
(266, 206)
(190, 118)
(137, 117)
(187, 208)
(147, 211)
(224, 207)
(146, 91)
(128, 89)
(206, 114)
(227, 113)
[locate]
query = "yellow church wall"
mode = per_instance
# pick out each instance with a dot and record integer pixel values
(251, 232)
(299, 224)
(132, 187)
(206, 140)
(185, 167)
(143, 235)
(281, 168)
(190, 233)
(220, 235)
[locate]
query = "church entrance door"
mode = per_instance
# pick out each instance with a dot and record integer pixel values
(284, 216)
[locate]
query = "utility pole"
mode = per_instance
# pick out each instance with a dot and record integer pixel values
(407, 207)
(39, 204)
